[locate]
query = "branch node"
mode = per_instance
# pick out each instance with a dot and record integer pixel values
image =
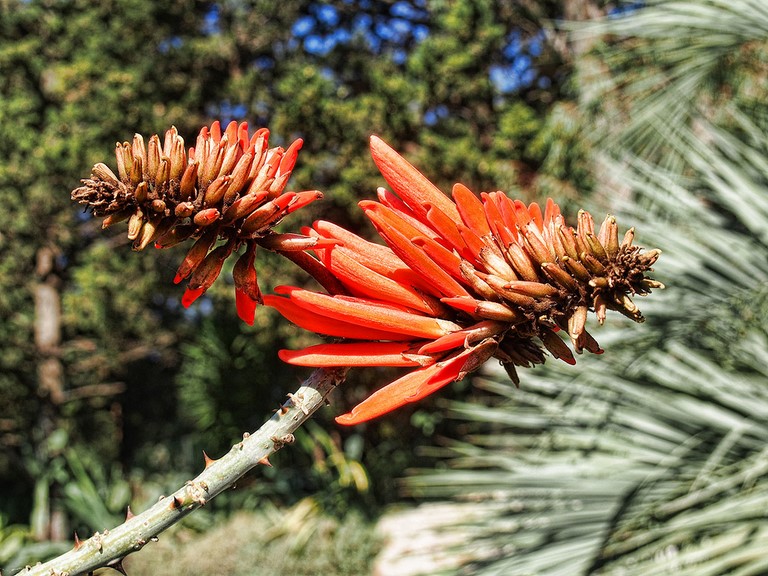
(298, 401)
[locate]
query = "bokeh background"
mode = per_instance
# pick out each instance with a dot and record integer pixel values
(650, 459)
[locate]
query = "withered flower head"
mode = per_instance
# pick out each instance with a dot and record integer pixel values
(460, 281)
(225, 193)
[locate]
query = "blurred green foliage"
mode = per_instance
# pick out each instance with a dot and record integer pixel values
(130, 388)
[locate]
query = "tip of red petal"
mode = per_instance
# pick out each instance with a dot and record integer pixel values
(246, 307)
(178, 278)
(349, 419)
(190, 295)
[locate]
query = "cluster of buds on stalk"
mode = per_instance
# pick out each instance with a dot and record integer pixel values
(459, 281)
(225, 193)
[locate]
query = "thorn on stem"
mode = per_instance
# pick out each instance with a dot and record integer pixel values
(78, 542)
(128, 513)
(118, 565)
(175, 503)
(208, 460)
(265, 462)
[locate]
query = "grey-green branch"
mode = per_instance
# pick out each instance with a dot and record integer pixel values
(111, 546)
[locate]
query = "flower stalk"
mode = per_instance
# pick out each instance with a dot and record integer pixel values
(110, 547)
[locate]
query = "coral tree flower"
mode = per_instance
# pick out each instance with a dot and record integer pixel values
(460, 280)
(225, 193)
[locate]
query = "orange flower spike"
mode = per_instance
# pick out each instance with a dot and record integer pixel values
(356, 354)
(407, 182)
(372, 315)
(310, 320)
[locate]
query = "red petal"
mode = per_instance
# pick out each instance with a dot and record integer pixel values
(366, 313)
(246, 307)
(395, 232)
(390, 397)
(190, 295)
(471, 210)
(355, 354)
(289, 158)
(407, 182)
(314, 322)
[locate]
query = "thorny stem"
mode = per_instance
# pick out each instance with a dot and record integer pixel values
(111, 546)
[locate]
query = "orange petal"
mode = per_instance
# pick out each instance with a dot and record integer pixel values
(407, 182)
(363, 281)
(246, 307)
(367, 313)
(391, 229)
(390, 397)
(355, 354)
(471, 210)
(320, 324)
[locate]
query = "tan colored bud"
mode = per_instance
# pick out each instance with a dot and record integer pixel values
(498, 311)
(137, 171)
(577, 269)
(141, 192)
(122, 169)
(158, 205)
(597, 249)
(216, 190)
(535, 289)
(568, 237)
(189, 180)
(178, 159)
(206, 217)
(649, 258)
(576, 323)
(184, 210)
(153, 156)
(163, 171)
(556, 346)
(609, 236)
(149, 232)
(135, 222)
(139, 151)
(592, 264)
(103, 172)
(239, 178)
(117, 217)
(522, 263)
(629, 236)
(535, 246)
(499, 286)
(176, 235)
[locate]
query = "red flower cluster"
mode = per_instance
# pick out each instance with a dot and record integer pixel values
(225, 193)
(459, 281)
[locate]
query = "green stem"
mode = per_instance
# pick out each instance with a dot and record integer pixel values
(111, 546)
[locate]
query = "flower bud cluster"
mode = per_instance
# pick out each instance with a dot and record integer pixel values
(225, 192)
